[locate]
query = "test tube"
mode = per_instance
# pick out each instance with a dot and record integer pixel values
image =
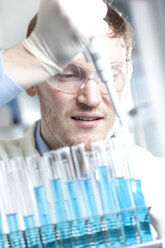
(124, 194)
(90, 195)
(141, 211)
(3, 228)
(84, 175)
(127, 188)
(3, 224)
(36, 171)
(60, 205)
(59, 199)
(76, 208)
(109, 199)
(27, 202)
(11, 206)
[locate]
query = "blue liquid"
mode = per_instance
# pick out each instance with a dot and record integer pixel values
(129, 227)
(126, 204)
(108, 201)
(3, 241)
(15, 235)
(89, 197)
(142, 215)
(143, 219)
(3, 237)
(31, 232)
(95, 232)
(58, 200)
(79, 233)
(1, 225)
(12, 222)
(43, 205)
(115, 232)
(74, 200)
(48, 236)
(47, 229)
(63, 233)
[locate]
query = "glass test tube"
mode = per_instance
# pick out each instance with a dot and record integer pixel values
(124, 194)
(74, 197)
(110, 203)
(90, 196)
(3, 222)
(60, 205)
(27, 202)
(36, 171)
(84, 175)
(11, 206)
(141, 211)
(60, 202)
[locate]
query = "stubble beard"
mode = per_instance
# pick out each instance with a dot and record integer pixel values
(56, 139)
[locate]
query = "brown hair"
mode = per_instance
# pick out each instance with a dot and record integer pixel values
(118, 24)
(121, 28)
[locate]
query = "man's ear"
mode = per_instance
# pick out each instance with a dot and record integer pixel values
(32, 91)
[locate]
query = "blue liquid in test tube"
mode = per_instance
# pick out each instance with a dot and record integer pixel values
(3, 236)
(32, 233)
(63, 225)
(89, 197)
(73, 199)
(15, 235)
(78, 227)
(115, 228)
(127, 213)
(47, 229)
(63, 230)
(58, 200)
(141, 212)
(96, 235)
(87, 184)
(94, 223)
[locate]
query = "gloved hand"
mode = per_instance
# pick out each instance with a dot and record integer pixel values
(63, 29)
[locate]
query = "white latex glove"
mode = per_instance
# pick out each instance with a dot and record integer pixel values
(63, 29)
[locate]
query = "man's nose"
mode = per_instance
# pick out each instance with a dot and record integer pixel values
(90, 94)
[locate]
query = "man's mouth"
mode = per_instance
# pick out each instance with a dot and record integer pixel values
(87, 120)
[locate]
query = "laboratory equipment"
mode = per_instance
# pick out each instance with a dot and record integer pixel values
(26, 202)
(79, 202)
(36, 171)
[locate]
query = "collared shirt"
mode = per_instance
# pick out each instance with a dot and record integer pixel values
(40, 144)
(8, 88)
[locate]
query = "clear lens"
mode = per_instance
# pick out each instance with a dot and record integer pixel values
(74, 78)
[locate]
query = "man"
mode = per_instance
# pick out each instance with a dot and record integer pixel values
(71, 114)
(75, 106)
(84, 115)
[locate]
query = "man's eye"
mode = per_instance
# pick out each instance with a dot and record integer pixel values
(67, 75)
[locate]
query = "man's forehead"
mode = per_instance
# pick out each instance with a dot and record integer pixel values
(114, 48)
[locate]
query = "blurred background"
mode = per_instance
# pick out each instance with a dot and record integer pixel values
(145, 111)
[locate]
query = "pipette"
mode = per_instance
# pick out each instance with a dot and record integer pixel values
(96, 54)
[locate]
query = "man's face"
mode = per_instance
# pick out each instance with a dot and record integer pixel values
(69, 119)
